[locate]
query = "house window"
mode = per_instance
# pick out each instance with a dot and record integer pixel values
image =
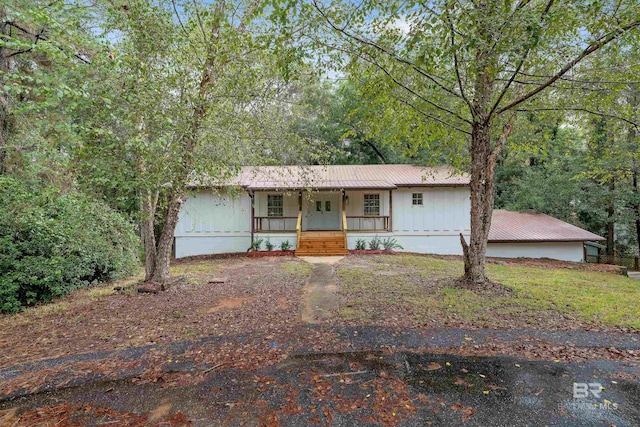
(327, 206)
(372, 204)
(417, 199)
(275, 205)
(318, 206)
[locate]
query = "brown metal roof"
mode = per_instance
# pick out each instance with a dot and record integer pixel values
(513, 227)
(341, 176)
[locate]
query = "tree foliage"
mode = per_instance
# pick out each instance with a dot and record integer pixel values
(453, 75)
(52, 243)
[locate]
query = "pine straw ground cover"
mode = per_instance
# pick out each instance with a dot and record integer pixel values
(414, 291)
(262, 297)
(258, 296)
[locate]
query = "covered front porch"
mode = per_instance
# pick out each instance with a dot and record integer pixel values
(318, 218)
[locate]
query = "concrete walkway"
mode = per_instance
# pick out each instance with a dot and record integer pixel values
(321, 290)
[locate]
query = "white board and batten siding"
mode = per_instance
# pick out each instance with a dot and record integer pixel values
(211, 223)
(435, 226)
(218, 223)
(563, 251)
(432, 227)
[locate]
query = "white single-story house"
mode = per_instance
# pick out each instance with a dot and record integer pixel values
(327, 209)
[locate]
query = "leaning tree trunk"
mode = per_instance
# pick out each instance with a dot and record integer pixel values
(161, 262)
(160, 272)
(147, 225)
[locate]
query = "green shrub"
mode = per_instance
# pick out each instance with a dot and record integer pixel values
(374, 244)
(361, 245)
(285, 245)
(390, 244)
(53, 243)
(268, 245)
(257, 243)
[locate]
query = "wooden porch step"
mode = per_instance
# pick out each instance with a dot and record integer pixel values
(320, 238)
(321, 246)
(321, 243)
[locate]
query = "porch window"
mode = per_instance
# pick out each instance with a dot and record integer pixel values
(275, 205)
(417, 199)
(372, 205)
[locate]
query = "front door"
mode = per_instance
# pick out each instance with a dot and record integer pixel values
(323, 212)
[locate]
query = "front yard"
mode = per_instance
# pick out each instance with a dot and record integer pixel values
(262, 298)
(420, 291)
(258, 296)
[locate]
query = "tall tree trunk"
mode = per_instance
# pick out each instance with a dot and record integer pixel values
(4, 97)
(159, 272)
(481, 204)
(484, 156)
(632, 135)
(636, 205)
(189, 141)
(611, 219)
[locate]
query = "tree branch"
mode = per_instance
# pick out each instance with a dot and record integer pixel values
(456, 65)
(569, 65)
(521, 4)
(413, 92)
(506, 87)
(584, 110)
(431, 116)
(385, 51)
(402, 85)
(43, 38)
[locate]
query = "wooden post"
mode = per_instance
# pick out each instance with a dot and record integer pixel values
(253, 216)
(344, 203)
(300, 208)
(636, 263)
(390, 225)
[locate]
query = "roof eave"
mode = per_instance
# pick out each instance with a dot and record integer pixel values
(251, 188)
(433, 185)
(541, 240)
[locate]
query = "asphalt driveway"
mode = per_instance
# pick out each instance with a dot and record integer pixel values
(387, 379)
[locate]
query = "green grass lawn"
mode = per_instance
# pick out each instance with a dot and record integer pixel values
(415, 290)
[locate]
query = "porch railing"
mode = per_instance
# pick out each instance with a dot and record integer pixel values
(368, 223)
(275, 223)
